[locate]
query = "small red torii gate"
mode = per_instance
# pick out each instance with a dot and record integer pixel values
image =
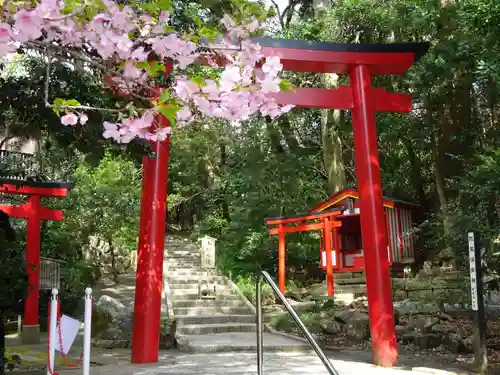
(324, 221)
(360, 62)
(34, 212)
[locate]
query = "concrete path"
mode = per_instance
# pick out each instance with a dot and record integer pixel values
(244, 363)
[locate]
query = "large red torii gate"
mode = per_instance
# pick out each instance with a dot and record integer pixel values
(360, 62)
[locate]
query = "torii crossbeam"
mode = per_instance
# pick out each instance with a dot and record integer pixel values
(360, 62)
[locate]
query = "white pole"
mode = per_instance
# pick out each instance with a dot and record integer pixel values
(52, 331)
(87, 331)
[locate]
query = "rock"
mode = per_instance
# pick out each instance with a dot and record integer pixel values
(440, 329)
(397, 317)
(427, 323)
(469, 344)
(111, 320)
(111, 306)
(112, 344)
(408, 338)
(358, 331)
(400, 331)
(331, 328)
(422, 340)
(428, 341)
(296, 294)
(100, 322)
(347, 316)
(455, 343)
(112, 333)
(301, 306)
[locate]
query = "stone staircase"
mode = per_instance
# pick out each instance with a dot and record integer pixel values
(209, 311)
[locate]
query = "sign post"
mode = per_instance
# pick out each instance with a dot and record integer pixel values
(477, 302)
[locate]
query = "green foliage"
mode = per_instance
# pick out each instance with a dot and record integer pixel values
(105, 202)
(13, 274)
(248, 286)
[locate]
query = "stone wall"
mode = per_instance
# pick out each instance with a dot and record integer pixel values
(100, 253)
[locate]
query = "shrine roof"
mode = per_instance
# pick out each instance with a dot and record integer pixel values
(326, 57)
(353, 193)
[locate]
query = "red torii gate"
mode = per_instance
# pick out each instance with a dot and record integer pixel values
(34, 212)
(322, 221)
(360, 62)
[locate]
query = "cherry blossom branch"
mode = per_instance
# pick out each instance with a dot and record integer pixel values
(82, 57)
(119, 42)
(71, 107)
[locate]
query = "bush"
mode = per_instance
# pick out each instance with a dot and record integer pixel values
(248, 287)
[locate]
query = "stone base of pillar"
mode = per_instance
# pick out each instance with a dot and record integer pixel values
(30, 335)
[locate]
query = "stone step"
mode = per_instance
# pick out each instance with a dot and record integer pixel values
(193, 266)
(211, 310)
(182, 253)
(190, 280)
(222, 290)
(214, 319)
(196, 285)
(208, 303)
(187, 272)
(196, 296)
(184, 263)
(205, 329)
(240, 342)
(176, 256)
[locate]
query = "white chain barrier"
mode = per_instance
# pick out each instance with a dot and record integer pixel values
(64, 327)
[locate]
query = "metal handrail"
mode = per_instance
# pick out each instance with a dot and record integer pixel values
(260, 338)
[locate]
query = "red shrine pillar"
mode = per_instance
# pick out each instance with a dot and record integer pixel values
(149, 274)
(327, 233)
(378, 282)
(30, 324)
(281, 259)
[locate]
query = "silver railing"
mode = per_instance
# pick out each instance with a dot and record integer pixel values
(260, 327)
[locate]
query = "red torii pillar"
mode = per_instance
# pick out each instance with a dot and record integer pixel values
(34, 212)
(149, 274)
(150, 250)
(360, 62)
(151, 242)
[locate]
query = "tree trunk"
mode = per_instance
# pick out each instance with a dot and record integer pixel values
(223, 166)
(416, 173)
(331, 121)
(332, 147)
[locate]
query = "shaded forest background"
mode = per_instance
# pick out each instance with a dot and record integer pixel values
(225, 179)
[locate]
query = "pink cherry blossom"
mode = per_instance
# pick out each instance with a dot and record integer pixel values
(272, 66)
(130, 71)
(139, 54)
(184, 88)
(230, 78)
(164, 16)
(111, 131)
(184, 115)
(69, 119)
(270, 85)
(211, 90)
(83, 119)
(28, 25)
